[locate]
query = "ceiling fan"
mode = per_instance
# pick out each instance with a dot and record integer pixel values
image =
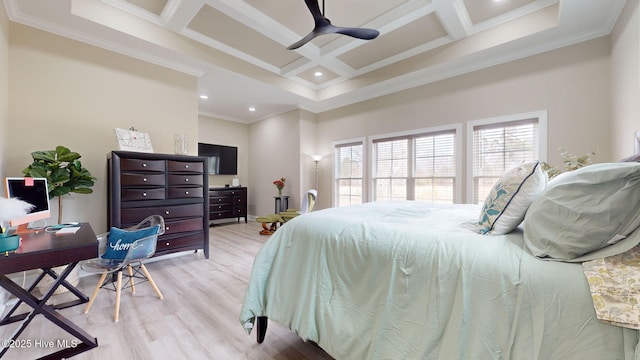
(323, 26)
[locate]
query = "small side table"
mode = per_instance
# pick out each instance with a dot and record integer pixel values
(281, 204)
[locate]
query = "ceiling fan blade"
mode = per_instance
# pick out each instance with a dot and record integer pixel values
(303, 41)
(314, 8)
(319, 20)
(323, 26)
(360, 33)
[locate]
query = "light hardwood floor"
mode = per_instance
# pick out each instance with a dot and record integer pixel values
(198, 318)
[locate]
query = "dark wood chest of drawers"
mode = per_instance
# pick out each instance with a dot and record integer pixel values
(173, 186)
(228, 202)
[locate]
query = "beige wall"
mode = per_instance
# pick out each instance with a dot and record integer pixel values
(307, 148)
(625, 70)
(275, 152)
(64, 92)
(222, 132)
(4, 86)
(572, 83)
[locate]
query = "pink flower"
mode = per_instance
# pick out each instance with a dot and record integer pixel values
(279, 183)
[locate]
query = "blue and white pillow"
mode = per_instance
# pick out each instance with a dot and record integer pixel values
(119, 241)
(508, 201)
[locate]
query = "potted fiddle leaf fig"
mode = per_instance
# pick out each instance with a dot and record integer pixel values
(63, 171)
(65, 175)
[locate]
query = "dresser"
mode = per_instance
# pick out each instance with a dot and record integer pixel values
(173, 186)
(228, 202)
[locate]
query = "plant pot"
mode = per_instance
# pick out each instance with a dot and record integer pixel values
(9, 242)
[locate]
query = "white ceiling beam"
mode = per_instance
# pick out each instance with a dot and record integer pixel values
(178, 14)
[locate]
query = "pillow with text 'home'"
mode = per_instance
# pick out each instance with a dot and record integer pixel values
(510, 197)
(119, 241)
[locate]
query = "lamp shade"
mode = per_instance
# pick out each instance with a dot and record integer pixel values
(316, 157)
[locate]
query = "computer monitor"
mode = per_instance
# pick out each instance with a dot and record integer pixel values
(35, 191)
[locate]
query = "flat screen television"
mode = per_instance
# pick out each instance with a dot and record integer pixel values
(223, 160)
(35, 191)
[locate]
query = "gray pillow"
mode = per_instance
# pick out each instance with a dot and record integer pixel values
(632, 158)
(583, 211)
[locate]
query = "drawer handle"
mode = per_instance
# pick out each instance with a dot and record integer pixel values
(167, 244)
(144, 194)
(186, 166)
(186, 193)
(186, 179)
(219, 200)
(144, 180)
(144, 165)
(166, 212)
(166, 228)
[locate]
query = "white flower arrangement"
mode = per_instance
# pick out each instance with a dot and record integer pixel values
(12, 209)
(570, 161)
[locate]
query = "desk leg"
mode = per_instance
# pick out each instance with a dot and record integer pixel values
(9, 318)
(40, 307)
(82, 298)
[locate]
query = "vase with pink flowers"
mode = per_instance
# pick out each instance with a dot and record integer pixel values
(280, 185)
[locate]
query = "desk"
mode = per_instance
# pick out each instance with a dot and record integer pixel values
(44, 250)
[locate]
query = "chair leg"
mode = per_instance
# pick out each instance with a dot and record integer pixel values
(132, 280)
(118, 291)
(95, 292)
(153, 283)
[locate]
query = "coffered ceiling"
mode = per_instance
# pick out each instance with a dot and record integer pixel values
(238, 48)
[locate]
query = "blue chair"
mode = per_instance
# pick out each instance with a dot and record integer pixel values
(125, 248)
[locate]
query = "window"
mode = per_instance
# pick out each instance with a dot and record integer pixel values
(349, 171)
(435, 168)
(390, 169)
(419, 166)
(498, 145)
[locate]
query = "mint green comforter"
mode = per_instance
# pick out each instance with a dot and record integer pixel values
(408, 280)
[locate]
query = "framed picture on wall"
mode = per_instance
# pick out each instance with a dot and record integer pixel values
(133, 140)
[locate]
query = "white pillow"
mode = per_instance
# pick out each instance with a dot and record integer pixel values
(508, 201)
(584, 211)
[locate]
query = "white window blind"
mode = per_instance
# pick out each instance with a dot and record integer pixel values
(348, 174)
(390, 169)
(498, 148)
(415, 167)
(435, 168)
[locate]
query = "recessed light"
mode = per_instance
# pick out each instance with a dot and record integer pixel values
(318, 74)
(252, 109)
(204, 97)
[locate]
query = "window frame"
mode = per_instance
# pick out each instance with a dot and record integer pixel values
(471, 125)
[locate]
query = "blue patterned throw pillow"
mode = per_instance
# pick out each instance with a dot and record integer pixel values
(120, 240)
(508, 201)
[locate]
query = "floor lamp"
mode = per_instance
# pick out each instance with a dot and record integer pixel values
(317, 159)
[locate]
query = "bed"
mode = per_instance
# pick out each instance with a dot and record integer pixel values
(411, 280)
